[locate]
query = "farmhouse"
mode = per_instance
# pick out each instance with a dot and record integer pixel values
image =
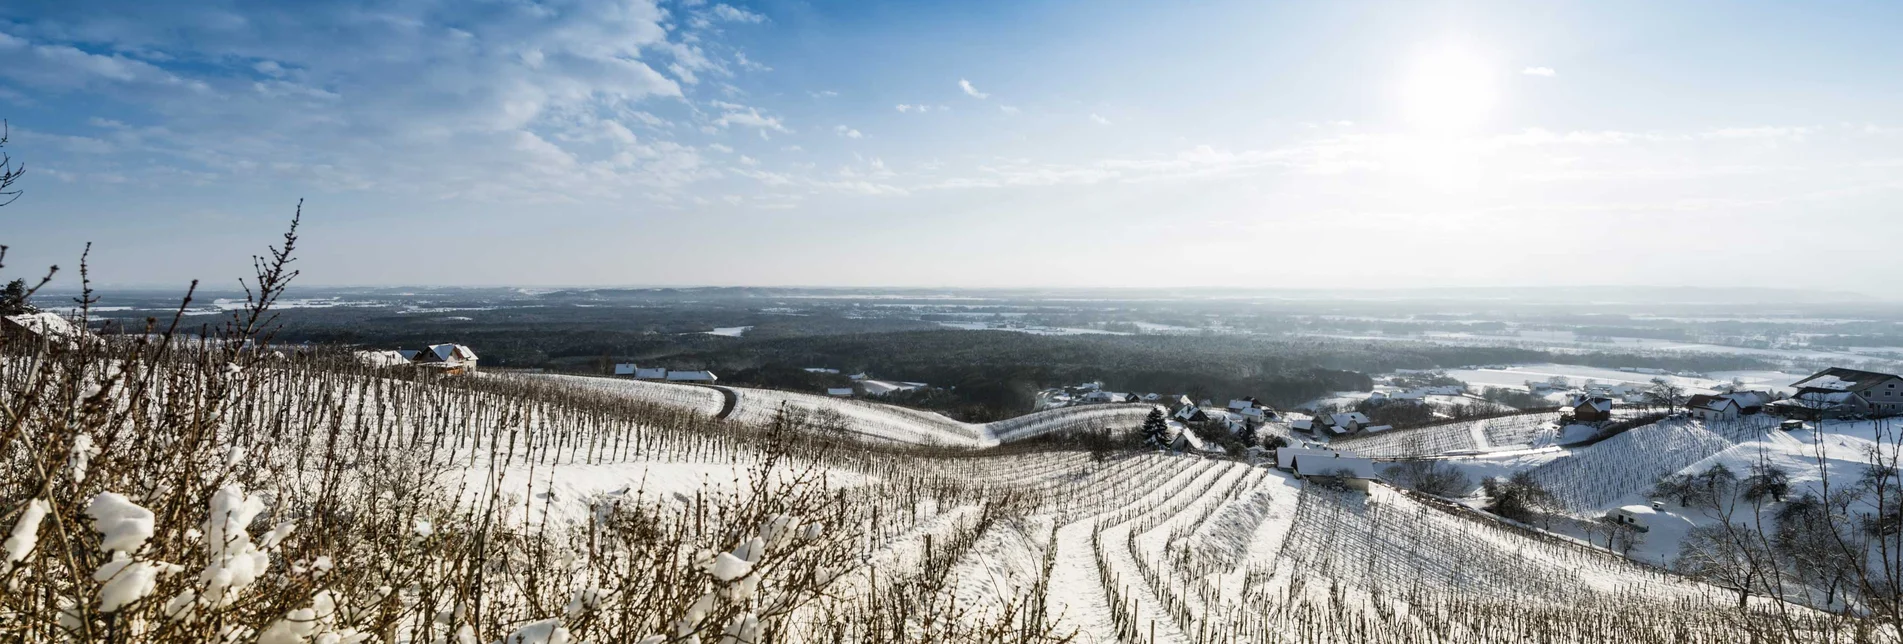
(1751, 402)
(691, 376)
(1107, 397)
(1590, 409)
(1838, 392)
(1709, 407)
(1344, 422)
(1285, 456)
(1350, 471)
(451, 359)
(1190, 413)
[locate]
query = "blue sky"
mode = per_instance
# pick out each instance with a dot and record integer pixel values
(1034, 143)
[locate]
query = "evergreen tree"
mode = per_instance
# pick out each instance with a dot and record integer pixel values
(1156, 430)
(13, 299)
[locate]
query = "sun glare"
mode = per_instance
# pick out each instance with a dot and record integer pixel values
(1447, 90)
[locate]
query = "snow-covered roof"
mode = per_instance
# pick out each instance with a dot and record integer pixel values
(450, 353)
(625, 369)
(1241, 404)
(1303, 424)
(45, 323)
(1751, 398)
(382, 358)
(1349, 466)
(821, 370)
(839, 391)
(1841, 379)
(692, 376)
(650, 372)
(1285, 456)
(1353, 417)
(1834, 398)
(1597, 403)
(1710, 403)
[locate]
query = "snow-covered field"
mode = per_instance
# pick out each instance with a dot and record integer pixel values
(1516, 377)
(617, 521)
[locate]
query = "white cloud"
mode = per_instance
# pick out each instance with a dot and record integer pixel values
(747, 160)
(972, 91)
(1099, 119)
(747, 117)
(826, 93)
(1008, 109)
(731, 13)
(846, 132)
(1538, 71)
(720, 148)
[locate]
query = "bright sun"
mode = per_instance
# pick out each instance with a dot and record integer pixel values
(1448, 90)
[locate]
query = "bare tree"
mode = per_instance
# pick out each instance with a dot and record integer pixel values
(9, 171)
(1665, 392)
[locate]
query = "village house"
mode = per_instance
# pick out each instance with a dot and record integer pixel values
(1711, 407)
(1190, 413)
(1344, 423)
(450, 359)
(1100, 397)
(1589, 409)
(1751, 402)
(1350, 471)
(691, 376)
(1839, 392)
(1285, 456)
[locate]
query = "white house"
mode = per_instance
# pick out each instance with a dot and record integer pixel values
(1351, 471)
(450, 358)
(1708, 407)
(1346, 422)
(691, 376)
(1285, 456)
(1868, 392)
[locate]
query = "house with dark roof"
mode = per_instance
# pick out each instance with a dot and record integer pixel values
(1837, 392)
(1590, 409)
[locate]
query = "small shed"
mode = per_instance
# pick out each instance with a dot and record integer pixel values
(1638, 517)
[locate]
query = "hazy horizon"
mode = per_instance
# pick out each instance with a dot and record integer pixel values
(1045, 144)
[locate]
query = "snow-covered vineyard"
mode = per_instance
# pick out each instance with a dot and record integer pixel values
(157, 492)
